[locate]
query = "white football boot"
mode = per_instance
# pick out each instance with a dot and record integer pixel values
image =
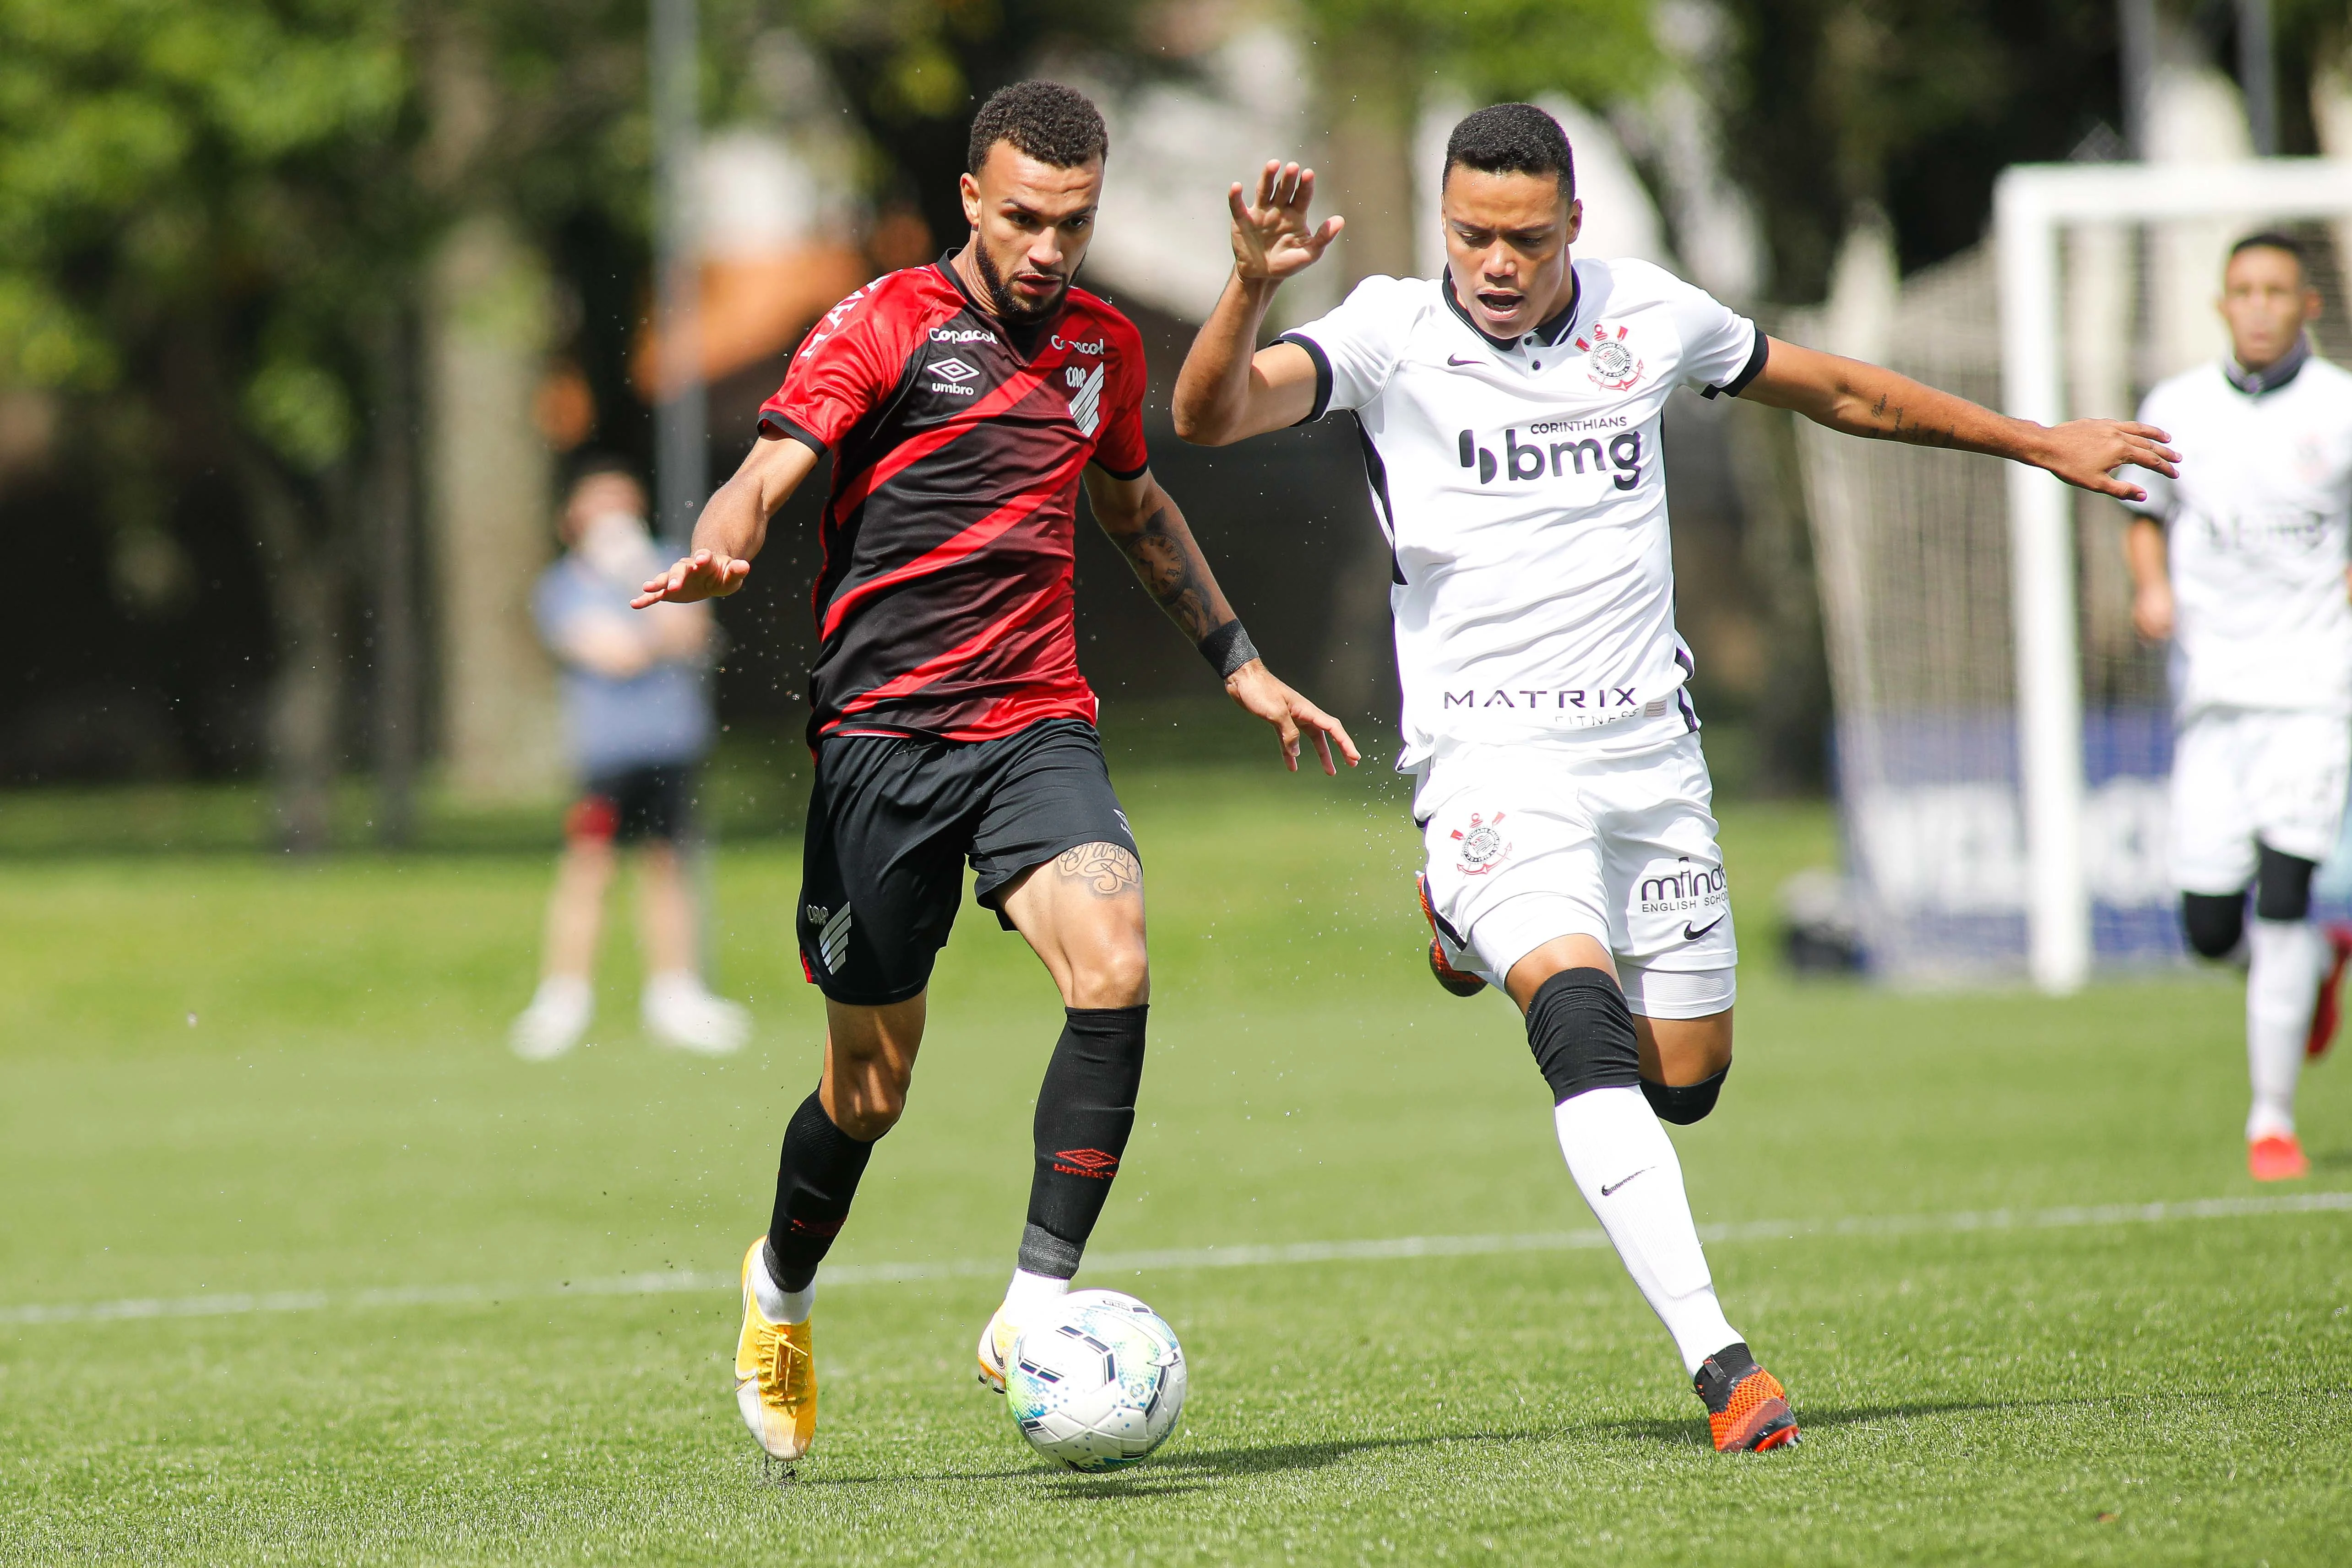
(555, 1020)
(680, 1011)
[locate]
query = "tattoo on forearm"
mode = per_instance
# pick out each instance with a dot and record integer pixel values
(1170, 567)
(1108, 870)
(1891, 423)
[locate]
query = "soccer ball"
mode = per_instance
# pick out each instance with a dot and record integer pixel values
(1097, 1382)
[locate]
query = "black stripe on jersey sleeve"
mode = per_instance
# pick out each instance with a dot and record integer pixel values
(1322, 373)
(1115, 474)
(775, 426)
(1749, 373)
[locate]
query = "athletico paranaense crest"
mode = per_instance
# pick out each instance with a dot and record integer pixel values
(1483, 846)
(1086, 397)
(1607, 360)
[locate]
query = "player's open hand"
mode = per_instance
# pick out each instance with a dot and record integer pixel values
(2085, 452)
(1273, 238)
(1255, 689)
(705, 574)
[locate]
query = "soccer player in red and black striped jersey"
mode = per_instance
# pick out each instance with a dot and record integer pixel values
(964, 405)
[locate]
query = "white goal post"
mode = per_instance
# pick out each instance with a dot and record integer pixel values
(2033, 206)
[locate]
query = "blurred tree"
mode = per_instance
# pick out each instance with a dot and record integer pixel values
(1831, 103)
(1916, 109)
(198, 244)
(914, 70)
(229, 225)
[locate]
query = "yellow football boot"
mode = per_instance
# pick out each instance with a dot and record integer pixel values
(996, 1341)
(775, 1374)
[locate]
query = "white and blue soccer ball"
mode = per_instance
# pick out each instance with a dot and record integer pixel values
(1097, 1381)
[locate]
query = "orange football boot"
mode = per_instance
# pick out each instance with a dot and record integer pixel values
(1747, 1409)
(2276, 1156)
(1460, 982)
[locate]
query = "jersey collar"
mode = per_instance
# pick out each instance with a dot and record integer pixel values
(1025, 337)
(1547, 333)
(2273, 376)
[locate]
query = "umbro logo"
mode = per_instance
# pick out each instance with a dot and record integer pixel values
(954, 371)
(1093, 1163)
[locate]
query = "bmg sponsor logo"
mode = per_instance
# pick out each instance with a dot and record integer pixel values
(1525, 462)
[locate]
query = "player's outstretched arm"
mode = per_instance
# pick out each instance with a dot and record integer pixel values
(2153, 611)
(1871, 401)
(1225, 394)
(1143, 521)
(733, 525)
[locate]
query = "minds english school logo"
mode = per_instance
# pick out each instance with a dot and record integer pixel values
(1607, 360)
(1483, 846)
(1686, 889)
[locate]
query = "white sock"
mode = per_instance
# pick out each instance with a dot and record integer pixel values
(2290, 959)
(682, 985)
(777, 1305)
(562, 991)
(1625, 1165)
(1029, 1291)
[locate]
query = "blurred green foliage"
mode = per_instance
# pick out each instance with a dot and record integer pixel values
(1599, 52)
(207, 162)
(1918, 108)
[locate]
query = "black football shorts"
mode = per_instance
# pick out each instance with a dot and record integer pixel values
(634, 805)
(892, 821)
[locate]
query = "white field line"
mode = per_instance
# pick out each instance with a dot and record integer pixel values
(1295, 1252)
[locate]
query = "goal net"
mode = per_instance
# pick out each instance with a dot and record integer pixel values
(2002, 735)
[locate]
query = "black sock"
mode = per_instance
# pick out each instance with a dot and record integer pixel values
(1085, 1111)
(1718, 1372)
(1686, 1102)
(816, 1175)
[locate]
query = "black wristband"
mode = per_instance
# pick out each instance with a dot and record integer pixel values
(1227, 649)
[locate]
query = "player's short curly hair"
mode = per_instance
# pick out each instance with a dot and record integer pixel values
(1512, 139)
(1051, 124)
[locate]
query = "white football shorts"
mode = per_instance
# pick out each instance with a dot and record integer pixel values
(2240, 775)
(1529, 843)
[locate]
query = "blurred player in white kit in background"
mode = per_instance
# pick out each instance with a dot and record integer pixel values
(2241, 562)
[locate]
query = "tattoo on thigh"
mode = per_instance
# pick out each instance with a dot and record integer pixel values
(1105, 869)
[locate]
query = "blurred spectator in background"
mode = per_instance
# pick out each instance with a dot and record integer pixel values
(638, 711)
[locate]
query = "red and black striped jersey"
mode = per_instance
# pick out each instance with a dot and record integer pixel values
(944, 604)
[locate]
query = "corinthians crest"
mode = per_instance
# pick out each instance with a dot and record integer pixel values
(1483, 847)
(1607, 360)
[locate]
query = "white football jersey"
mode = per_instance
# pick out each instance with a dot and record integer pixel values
(2256, 530)
(1524, 497)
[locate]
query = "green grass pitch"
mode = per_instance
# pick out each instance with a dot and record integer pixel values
(282, 1087)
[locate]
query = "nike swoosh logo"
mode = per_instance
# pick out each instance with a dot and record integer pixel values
(1691, 936)
(1451, 360)
(1620, 1181)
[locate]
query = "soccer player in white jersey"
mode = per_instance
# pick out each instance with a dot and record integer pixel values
(2241, 562)
(1510, 416)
